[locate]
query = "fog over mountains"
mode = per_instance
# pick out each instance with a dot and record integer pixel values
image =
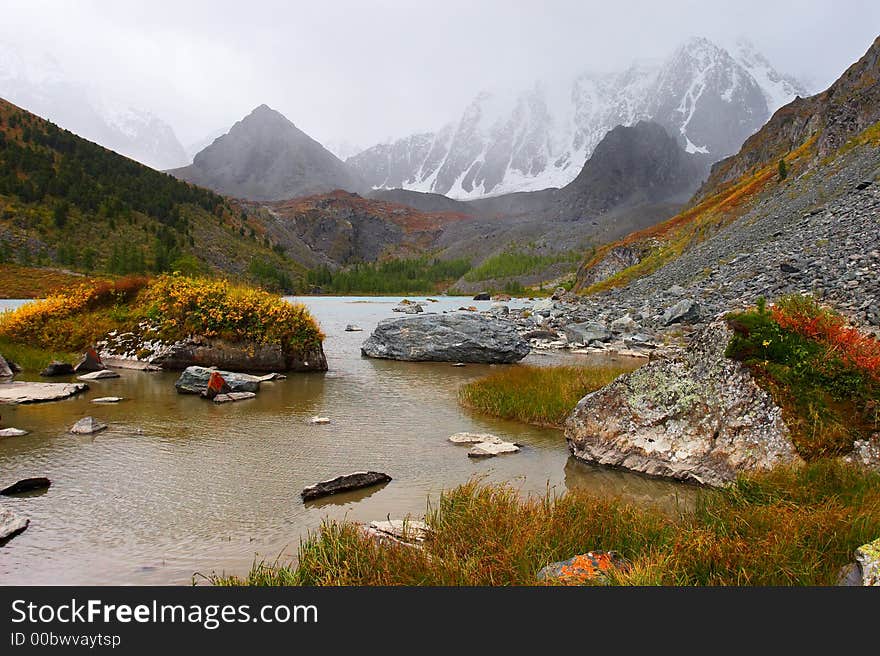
(40, 84)
(708, 98)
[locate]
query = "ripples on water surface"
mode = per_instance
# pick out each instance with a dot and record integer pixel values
(178, 485)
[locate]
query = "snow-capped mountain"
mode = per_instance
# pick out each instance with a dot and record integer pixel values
(39, 84)
(707, 98)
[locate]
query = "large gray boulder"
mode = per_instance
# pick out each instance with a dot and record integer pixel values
(194, 380)
(446, 338)
(685, 311)
(589, 331)
(696, 416)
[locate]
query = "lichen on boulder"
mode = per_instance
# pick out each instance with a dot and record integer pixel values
(694, 416)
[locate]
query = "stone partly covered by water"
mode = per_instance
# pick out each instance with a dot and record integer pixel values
(231, 397)
(99, 375)
(491, 449)
(473, 438)
(345, 483)
(591, 567)
(87, 426)
(194, 380)
(26, 392)
(694, 416)
(11, 523)
(54, 369)
(446, 338)
(26, 485)
(12, 432)
(108, 399)
(89, 362)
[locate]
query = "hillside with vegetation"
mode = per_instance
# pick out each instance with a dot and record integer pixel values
(66, 202)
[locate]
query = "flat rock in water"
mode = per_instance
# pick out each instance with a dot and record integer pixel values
(473, 438)
(319, 421)
(26, 485)
(26, 392)
(11, 523)
(194, 380)
(354, 481)
(446, 338)
(108, 399)
(99, 375)
(12, 432)
(265, 378)
(351, 328)
(57, 369)
(87, 426)
(491, 449)
(231, 397)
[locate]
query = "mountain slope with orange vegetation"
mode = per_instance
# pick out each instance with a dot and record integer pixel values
(808, 134)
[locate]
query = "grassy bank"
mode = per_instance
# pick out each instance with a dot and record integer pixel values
(168, 308)
(537, 395)
(824, 374)
(788, 527)
(33, 282)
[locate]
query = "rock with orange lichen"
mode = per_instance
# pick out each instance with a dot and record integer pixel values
(591, 567)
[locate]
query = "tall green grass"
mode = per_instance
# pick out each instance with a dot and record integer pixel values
(536, 395)
(788, 527)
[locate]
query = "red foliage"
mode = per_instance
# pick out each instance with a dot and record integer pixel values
(847, 343)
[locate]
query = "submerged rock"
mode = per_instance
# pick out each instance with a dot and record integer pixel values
(12, 432)
(26, 485)
(446, 338)
(231, 397)
(473, 438)
(696, 416)
(345, 483)
(87, 426)
(57, 369)
(99, 375)
(194, 380)
(26, 392)
(11, 523)
(319, 421)
(108, 399)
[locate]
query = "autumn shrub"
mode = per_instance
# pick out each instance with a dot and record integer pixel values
(822, 373)
(785, 527)
(170, 307)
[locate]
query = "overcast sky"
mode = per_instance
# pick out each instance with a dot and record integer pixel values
(369, 69)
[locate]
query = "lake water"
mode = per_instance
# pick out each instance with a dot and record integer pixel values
(178, 485)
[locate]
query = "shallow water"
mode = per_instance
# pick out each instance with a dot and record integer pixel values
(178, 485)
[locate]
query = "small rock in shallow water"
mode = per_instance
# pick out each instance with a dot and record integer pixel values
(491, 449)
(26, 485)
(99, 375)
(12, 432)
(231, 397)
(87, 426)
(351, 328)
(473, 438)
(354, 481)
(319, 421)
(11, 523)
(108, 399)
